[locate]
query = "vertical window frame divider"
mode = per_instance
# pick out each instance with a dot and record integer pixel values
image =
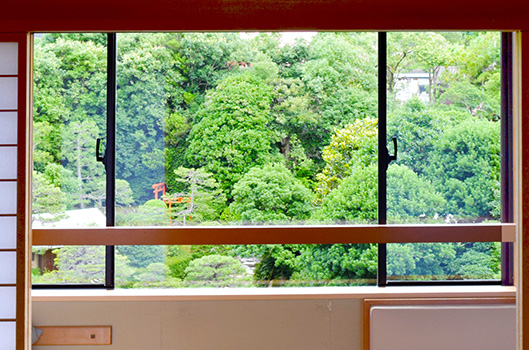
(110, 156)
(507, 160)
(382, 154)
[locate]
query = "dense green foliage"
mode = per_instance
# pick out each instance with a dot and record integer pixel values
(245, 129)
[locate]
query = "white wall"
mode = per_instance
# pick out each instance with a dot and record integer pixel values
(218, 325)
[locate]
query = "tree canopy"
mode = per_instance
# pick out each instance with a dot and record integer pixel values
(245, 128)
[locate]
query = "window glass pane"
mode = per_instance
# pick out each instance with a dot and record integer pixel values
(68, 184)
(444, 261)
(69, 115)
(68, 265)
(444, 108)
(246, 266)
(246, 128)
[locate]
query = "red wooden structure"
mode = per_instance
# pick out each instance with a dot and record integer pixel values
(159, 187)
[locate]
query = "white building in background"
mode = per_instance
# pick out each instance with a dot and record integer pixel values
(91, 217)
(412, 84)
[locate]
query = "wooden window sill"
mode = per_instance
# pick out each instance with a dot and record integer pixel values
(212, 294)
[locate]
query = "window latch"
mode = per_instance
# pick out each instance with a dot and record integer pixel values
(100, 158)
(394, 156)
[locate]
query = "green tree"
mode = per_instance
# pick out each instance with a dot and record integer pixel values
(433, 52)
(149, 94)
(270, 194)
(353, 201)
(472, 99)
(416, 126)
(47, 198)
(400, 55)
(231, 133)
(341, 82)
(216, 271)
(151, 213)
(337, 264)
(410, 196)
(141, 256)
(69, 86)
(82, 264)
(351, 149)
(465, 166)
(424, 261)
(79, 146)
(201, 198)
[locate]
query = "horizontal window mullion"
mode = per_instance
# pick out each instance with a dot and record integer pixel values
(275, 235)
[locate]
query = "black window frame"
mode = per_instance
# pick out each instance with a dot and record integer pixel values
(506, 176)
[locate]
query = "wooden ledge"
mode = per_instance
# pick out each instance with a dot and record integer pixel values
(275, 234)
(241, 294)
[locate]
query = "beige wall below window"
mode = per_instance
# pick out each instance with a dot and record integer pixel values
(200, 325)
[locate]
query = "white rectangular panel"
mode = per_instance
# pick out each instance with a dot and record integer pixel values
(8, 267)
(8, 298)
(8, 232)
(8, 163)
(8, 58)
(7, 335)
(8, 128)
(441, 327)
(8, 93)
(8, 197)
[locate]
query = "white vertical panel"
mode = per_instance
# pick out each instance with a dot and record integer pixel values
(8, 197)
(8, 267)
(8, 58)
(8, 93)
(7, 335)
(8, 128)
(8, 232)
(8, 297)
(8, 162)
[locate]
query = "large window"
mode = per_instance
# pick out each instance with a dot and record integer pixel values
(270, 131)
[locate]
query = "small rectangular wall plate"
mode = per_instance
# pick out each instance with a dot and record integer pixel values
(75, 335)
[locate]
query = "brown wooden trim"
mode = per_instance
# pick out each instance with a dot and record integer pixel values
(8, 180)
(8, 75)
(177, 15)
(75, 335)
(8, 110)
(270, 235)
(7, 285)
(368, 303)
(8, 320)
(7, 250)
(23, 313)
(7, 215)
(9, 145)
(523, 323)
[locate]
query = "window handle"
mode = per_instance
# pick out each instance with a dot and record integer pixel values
(394, 156)
(98, 157)
(390, 158)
